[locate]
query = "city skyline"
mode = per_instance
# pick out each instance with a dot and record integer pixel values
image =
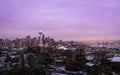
(61, 19)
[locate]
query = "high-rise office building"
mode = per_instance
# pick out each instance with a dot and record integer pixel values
(28, 41)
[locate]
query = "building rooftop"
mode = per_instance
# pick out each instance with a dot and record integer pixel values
(115, 59)
(90, 64)
(90, 57)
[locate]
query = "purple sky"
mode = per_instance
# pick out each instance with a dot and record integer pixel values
(61, 19)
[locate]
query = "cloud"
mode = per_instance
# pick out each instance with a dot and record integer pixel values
(70, 18)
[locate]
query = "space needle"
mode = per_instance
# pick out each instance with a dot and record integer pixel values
(41, 42)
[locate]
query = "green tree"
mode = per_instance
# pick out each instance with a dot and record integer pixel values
(0, 51)
(44, 58)
(8, 58)
(31, 59)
